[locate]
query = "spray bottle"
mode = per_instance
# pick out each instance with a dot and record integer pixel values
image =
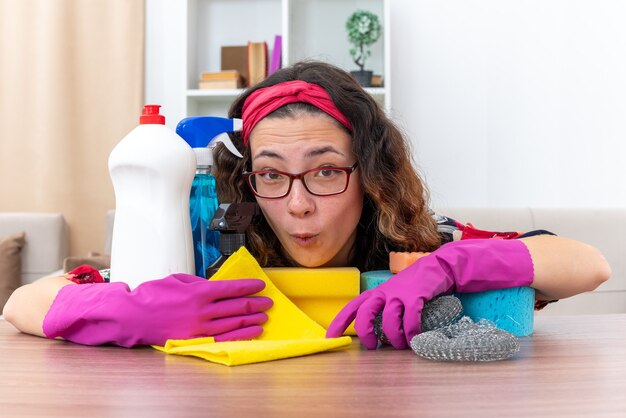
(151, 169)
(231, 220)
(203, 133)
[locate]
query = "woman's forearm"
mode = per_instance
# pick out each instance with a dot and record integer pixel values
(28, 305)
(564, 267)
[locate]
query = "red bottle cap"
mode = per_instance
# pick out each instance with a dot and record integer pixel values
(150, 116)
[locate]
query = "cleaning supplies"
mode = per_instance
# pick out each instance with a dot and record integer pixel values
(288, 332)
(466, 340)
(202, 133)
(398, 261)
(509, 309)
(202, 207)
(318, 292)
(232, 221)
(512, 309)
(151, 169)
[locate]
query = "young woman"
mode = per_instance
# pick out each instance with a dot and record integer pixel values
(334, 181)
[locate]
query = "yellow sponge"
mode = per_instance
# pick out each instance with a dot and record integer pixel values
(318, 292)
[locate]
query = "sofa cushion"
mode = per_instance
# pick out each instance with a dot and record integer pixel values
(10, 265)
(46, 241)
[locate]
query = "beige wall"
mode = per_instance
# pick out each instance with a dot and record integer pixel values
(71, 86)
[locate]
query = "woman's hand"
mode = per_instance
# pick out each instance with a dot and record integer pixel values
(179, 306)
(462, 266)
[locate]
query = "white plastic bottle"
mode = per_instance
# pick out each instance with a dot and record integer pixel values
(151, 169)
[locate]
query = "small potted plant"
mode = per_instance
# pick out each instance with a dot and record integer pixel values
(363, 30)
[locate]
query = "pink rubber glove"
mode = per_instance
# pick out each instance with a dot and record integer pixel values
(462, 266)
(179, 306)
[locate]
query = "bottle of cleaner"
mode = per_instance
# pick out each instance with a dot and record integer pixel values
(231, 220)
(203, 133)
(151, 169)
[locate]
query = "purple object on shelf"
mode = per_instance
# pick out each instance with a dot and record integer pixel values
(276, 54)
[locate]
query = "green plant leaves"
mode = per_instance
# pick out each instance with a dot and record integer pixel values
(363, 30)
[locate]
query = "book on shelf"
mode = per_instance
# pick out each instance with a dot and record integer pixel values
(377, 80)
(218, 84)
(220, 75)
(277, 52)
(236, 58)
(228, 79)
(257, 62)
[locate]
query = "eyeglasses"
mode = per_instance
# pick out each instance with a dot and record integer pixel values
(323, 181)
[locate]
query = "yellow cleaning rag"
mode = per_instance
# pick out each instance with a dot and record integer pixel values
(288, 332)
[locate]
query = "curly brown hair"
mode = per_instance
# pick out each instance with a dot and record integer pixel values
(395, 216)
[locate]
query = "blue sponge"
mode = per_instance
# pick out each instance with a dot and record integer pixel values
(509, 309)
(371, 279)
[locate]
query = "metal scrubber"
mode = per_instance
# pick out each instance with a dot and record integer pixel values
(440, 312)
(466, 340)
(449, 336)
(437, 313)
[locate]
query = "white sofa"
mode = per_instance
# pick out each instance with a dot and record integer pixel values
(46, 241)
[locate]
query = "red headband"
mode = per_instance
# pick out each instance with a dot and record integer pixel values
(264, 101)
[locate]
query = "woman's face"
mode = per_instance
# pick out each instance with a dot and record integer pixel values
(315, 231)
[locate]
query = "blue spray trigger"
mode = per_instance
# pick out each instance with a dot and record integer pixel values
(200, 131)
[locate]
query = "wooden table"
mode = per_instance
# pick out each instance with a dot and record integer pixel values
(571, 366)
